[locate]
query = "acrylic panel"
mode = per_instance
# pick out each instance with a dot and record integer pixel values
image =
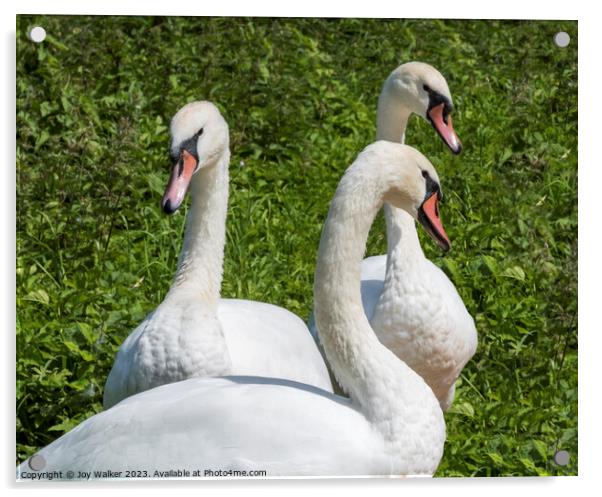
(96, 252)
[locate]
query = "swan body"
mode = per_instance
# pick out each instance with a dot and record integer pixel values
(436, 335)
(391, 424)
(413, 307)
(256, 336)
(194, 333)
(230, 423)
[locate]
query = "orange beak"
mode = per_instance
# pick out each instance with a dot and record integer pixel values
(428, 215)
(445, 129)
(181, 174)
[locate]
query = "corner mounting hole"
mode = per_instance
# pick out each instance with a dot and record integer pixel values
(37, 34)
(562, 39)
(562, 458)
(37, 462)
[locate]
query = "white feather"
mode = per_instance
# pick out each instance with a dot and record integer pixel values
(413, 307)
(194, 333)
(391, 425)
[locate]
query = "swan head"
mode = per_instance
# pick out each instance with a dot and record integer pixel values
(413, 185)
(199, 136)
(423, 90)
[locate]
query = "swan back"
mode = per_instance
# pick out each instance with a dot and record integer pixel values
(234, 423)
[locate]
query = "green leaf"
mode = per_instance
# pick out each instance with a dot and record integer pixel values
(491, 264)
(72, 346)
(541, 448)
(38, 295)
(42, 138)
(463, 408)
(529, 464)
(496, 458)
(514, 272)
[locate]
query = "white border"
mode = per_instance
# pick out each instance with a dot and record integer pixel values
(590, 114)
(509, 9)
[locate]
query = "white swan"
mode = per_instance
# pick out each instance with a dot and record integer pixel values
(391, 425)
(412, 306)
(193, 333)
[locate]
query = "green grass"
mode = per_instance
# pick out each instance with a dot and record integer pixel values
(95, 253)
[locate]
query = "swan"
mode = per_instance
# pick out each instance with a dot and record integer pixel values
(193, 332)
(392, 423)
(413, 307)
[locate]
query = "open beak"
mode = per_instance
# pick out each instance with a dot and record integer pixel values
(428, 216)
(445, 129)
(181, 174)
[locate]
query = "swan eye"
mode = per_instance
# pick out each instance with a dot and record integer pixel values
(427, 88)
(425, 174)
(199, 132)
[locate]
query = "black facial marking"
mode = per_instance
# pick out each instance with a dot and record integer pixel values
(431, 186)
(435, 98)
(190, 145)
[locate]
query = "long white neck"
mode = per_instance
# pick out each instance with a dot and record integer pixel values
(384, 387)
(402, 238)
(403, 244)
(200, 266)
(392, 115)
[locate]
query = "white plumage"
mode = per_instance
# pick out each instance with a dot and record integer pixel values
(413, 307)
(391, 425)
(194, 333)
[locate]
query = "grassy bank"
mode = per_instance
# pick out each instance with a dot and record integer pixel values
(95, 253)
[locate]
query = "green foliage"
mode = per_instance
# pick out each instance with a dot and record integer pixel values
(95, 253)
